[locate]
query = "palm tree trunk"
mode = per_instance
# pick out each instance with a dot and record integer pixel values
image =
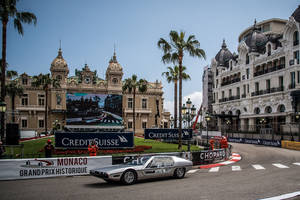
(13, 108)
(180, 101)
(46, 110)
(175, 104)
(133, 110)
(3, 66)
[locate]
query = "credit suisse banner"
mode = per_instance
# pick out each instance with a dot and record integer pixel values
(109, 140)
(167, 133)
(273, 143)
(11, 169)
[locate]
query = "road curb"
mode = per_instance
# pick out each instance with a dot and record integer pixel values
(233, 159)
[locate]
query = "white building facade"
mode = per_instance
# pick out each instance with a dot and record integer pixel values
(261, 84)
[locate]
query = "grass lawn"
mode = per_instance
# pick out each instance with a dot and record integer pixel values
(32, 148)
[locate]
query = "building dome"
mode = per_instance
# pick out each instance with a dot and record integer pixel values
(296, 14)
(256, 40)
(59, 62)
(113, 64)
(223, 56)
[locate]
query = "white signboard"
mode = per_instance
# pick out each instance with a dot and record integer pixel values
(50, 167)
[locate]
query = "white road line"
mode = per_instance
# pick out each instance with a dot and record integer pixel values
(280, 165)
(236, 168)
(192, 171)
(258, 167)
(284, 196)
(214, 169)
(296, 163)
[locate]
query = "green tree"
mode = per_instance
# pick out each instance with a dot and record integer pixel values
(13, 89)
(132, 85)
(172, 75)
(46, 82)
(173, 53)
(8, 10)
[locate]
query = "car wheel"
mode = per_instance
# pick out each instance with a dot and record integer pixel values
(129, 177)
(179, 173)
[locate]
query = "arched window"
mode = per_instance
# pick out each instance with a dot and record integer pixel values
(115, 80)
(296, 38)
(268, 109)
(269, 49)
(256, 110)
(247, 59)
(281, 108)
(58, 78)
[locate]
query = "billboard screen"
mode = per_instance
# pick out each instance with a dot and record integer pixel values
(94, 110)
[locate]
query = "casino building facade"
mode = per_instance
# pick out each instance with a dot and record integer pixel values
(259, 86)
(30, 107)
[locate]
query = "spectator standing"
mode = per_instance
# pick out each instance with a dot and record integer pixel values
(93, 149)
(49, 148)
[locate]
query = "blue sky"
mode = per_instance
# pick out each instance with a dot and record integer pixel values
(89, 29)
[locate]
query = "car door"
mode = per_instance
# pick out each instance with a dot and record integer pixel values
(157, 168)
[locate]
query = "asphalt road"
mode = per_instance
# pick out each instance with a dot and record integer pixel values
(244, 183)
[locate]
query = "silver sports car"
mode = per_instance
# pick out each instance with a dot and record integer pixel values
(144, 168)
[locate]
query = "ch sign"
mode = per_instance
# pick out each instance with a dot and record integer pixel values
(167, 134)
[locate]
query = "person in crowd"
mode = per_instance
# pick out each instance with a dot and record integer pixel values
(92, 149)
(49, 148)
(2, 149)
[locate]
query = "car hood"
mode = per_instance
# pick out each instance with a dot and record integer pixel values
(116, 168)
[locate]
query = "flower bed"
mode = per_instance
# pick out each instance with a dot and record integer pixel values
(136, 149)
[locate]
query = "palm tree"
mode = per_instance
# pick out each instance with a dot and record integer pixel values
(46, 82)
(174, 52)
(8, 10)
(131, 85)
(14, 89)
(172, 75)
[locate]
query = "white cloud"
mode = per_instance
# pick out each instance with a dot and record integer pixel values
(196, 98)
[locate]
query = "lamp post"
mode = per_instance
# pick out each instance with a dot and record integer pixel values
(298, 120)
(188, 113)
(2, 112)
(172, 121)
(228, 122)
(207, 118)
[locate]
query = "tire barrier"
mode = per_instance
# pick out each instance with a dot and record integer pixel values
(290, 145)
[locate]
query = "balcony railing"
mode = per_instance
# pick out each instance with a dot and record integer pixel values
(231, 81)
(229, 98)
(269, 70)
(267, 91)
(243, 95)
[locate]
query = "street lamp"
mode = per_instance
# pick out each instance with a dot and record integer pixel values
(298, 120)
(172, 121)
(228, 122)
(2, 111)
(207, 118)
(188, 113)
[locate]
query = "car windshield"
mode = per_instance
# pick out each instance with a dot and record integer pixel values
(138, 160)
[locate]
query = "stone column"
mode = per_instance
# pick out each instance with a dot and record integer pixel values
(252, 124)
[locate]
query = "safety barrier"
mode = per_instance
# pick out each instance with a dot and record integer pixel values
(290, 145)
(12, 169)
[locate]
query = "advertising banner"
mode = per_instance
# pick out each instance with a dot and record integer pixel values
(167, 133)
(11, 169)
(273, 143)
(109, 140)
(203, 157)
(94, 110)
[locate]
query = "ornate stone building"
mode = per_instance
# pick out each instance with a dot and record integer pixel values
(30, 107)
(261, 84)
